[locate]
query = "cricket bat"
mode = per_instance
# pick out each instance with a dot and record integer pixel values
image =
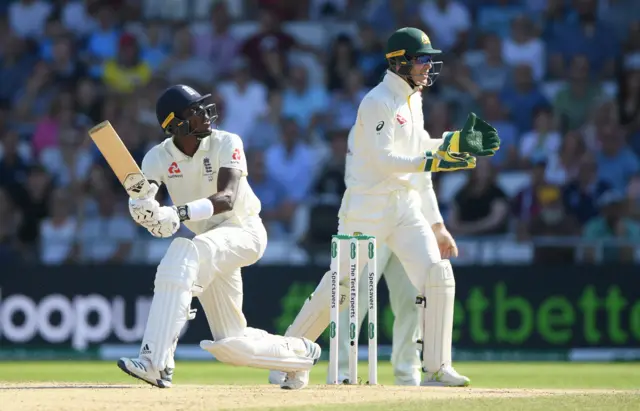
(119, 159)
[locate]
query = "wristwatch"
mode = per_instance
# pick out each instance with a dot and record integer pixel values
(183, 212)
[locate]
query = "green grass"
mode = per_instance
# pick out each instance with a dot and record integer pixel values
(482, 374)
(498, 375)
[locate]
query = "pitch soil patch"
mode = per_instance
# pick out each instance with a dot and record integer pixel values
(102, 397)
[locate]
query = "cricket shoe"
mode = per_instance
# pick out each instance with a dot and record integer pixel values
(277, 377)
(142, 369)
(299, 379)
(445, 377)
(408, 380)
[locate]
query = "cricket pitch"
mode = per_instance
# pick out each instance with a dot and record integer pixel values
(102, 397)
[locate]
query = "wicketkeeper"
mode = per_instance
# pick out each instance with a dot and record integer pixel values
(386, 147)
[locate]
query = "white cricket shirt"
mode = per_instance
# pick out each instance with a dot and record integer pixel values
(388, 140)
(191, 178)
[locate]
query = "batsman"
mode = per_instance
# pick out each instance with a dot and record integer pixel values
(388, 151)
(205, 173)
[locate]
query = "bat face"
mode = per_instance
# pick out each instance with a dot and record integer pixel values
(119, 159)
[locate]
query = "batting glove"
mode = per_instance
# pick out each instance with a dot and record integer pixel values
(167, 224)
(144, 211)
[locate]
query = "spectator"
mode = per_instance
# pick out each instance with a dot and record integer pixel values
(629, 101)
(102, 44)
(54, 31)
(14, 165)
(386, 16)
(437, 116)
(245, 99)
(563, 166)
(523, 97)
(183, 66)
(154, 48)
(582, 192)
(620, 15)
(27, 18)
(457, 88)
(496, 16)
(108, 236)
(604, 115)
(327, 192)
(76, 18)
(66, 70)
(631, 56)
(48, 128)
(343, 108)
(291, 162)
(633, 196)
(87, 100)
(327, 9)
(480, 207)
(58, 232)
(217, 44)
(449, 21)
(304, 102)
(543, 140)
(370, 59)
(526, 205)
(576, 100)
(588, 36)
(267, 50)
(495, 113)
(522, 47)
(553, 18)
(266, 130)
(128, 72)
(9, 223)
(32, 101)
(15, 67)
(553, 221)
(33, 201)
(277, 206)
(612, 225)
(488, 68)
(341, 62)
(67, 162)
(616, 162)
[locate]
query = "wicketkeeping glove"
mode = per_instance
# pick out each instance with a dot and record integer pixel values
(448, 161)
(477, 137)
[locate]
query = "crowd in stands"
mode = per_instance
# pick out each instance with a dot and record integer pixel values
(559, 79)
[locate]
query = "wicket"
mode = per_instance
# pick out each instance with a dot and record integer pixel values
(372, 282)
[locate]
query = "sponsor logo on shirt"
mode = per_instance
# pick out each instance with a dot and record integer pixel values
(237, 156)
(174, 171)
(401, 119)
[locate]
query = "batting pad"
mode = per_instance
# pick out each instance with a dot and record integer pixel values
(172, 296)
(313, 318)
(440, 291)
(271, 353)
